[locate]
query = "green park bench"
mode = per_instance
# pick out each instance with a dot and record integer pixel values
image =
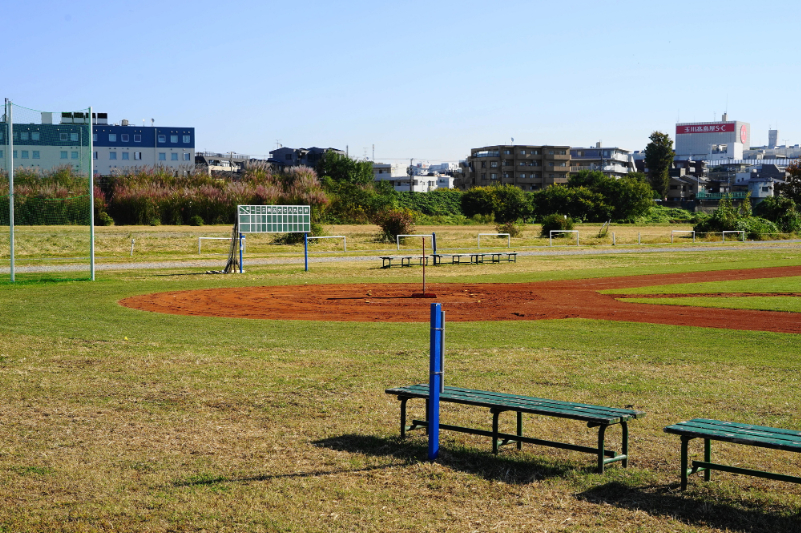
(593, 415)
(709, 430)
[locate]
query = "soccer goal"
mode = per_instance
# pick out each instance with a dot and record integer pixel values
(46, 193)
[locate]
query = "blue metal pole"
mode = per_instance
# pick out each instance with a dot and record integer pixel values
(241, 239)
(306, 250)
(435, 380)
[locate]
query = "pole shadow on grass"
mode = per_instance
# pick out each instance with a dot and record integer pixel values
(512, 469)
(665, 501)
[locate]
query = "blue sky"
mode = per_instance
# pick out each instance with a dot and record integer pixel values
(424, 80)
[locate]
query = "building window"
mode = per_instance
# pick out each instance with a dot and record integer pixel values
(187, 139)
(507, 152)
(561, 152)
(550, 163)
(483, 164)
(162, 156)
(74, 155)
(494, 164)
(35, 154)
(63, 137)
(137, 138)
(508, 163)
(580, 153)
(24, 136)
(563, 164)
(138, 156)
(522, 163)
(112, 137)
(112, 156)
(126, 156)
(534, 152)
(94, 137)
(173, 157)
(174, 139)
(493, 176)
(34, 135)
(63, 154)
(483, 176)
(162, 138)
(523, 176)
(186, 156)
(25, 154)
(522, 152)
(1, 154)
(94, 155)
(14, 154)
(505, 174)
(124, 137)
(74, 137)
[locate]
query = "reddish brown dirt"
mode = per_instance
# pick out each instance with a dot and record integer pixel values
(474, 302)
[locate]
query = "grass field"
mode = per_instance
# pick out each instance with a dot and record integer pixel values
(121, 420)
(113, 243)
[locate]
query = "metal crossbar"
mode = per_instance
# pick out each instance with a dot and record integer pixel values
(550, 235)
(680, 231)
(725, 232)
(508, 238)
(398, 238)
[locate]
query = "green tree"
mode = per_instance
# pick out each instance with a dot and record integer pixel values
(578, 203)
(781, 211)
(507, 202)
(342, 169)
(792, 184)
(658, 158)
(628, 197)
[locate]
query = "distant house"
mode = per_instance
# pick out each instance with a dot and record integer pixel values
(294, 157)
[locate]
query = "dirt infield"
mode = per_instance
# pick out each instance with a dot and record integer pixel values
(475, 302)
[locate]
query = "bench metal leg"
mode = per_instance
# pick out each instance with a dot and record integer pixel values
(601, 462)
(495, 415)
(519, 429)
(707, 458)
(427, 413)
(403, 417)
(684, 473)
(624, 426)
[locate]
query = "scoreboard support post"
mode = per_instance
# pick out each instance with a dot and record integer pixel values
(306, 251)
(241, 247)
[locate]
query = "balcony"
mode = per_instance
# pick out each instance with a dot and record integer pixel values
(703, 195)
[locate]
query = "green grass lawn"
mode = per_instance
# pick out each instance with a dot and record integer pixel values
(121, 420)
(790, 304)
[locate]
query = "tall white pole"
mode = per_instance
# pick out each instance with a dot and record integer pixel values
(91, 197)
(9, 116)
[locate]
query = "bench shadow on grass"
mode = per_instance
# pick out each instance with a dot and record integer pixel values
(744, 515)
(512, 469)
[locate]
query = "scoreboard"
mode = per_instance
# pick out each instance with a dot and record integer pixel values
(274, 218)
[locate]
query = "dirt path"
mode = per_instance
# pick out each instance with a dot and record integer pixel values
(474, 302)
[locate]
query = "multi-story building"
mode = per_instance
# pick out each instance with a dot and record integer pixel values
(293, 157)
(527, 167)
(727, 139)
(612, 161)
(44, 145)
(398, 177)
(126, 147)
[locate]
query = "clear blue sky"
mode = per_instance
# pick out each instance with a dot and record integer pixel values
(427, 80)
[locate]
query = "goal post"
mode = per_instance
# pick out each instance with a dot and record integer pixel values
(47, 184)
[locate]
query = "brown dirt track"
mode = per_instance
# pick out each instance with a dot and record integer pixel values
(474, 302)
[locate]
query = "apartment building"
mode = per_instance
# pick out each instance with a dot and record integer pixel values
(528, 167)
(45, 145)
(612, 161)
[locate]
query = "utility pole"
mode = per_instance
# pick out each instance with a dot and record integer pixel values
(410, 172)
